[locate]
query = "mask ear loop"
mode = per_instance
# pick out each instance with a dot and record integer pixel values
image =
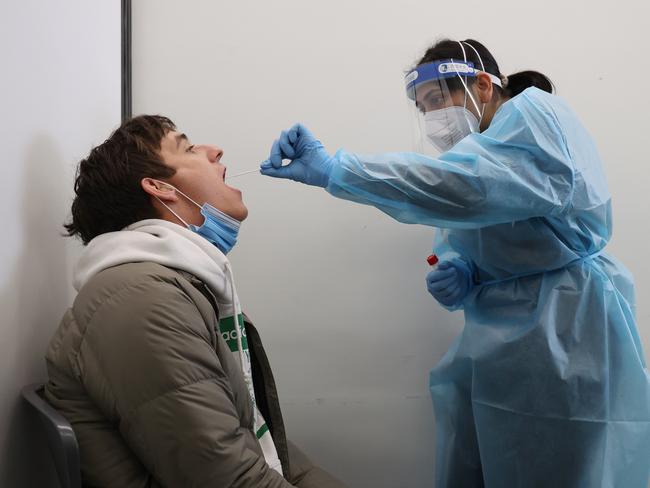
(498, 81)
(477, 55)
(482, 69)
(467, 92)
(461, 78)
(502, 84)
(169, 208)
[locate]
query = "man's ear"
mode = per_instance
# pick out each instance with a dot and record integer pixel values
(159, 189)
(485, 87)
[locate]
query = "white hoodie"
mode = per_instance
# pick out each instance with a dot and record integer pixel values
(174, 246)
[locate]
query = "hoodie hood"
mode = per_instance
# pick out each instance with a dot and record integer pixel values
(164, 243)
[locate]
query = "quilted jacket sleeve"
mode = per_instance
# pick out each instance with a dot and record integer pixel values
(306, 474)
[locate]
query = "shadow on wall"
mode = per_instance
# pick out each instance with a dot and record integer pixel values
(32, 300)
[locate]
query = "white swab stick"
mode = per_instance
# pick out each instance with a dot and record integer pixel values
(256, 170)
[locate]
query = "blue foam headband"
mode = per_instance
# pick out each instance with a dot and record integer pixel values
(438, 70)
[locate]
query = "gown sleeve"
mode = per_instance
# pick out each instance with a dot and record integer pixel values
(519, 168)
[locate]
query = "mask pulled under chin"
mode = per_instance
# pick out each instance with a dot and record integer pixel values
(447, 126)
(218, 228)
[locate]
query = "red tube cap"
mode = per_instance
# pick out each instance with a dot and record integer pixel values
(432, 260)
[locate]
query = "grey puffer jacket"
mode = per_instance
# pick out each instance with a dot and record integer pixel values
(154, 395)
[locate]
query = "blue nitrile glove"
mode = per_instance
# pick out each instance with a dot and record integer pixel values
(450, 282)
(310, 163)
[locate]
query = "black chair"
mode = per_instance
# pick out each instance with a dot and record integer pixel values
(60, 437)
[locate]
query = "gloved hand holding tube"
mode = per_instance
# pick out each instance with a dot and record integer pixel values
(309, 162)
(450, 282)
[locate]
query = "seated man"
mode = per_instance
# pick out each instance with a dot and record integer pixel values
(163, 379)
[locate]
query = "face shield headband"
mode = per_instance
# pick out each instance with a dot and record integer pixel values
(441, 70)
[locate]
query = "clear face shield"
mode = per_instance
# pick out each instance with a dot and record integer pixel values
(444, 107)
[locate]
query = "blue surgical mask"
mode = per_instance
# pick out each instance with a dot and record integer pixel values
(219, 229)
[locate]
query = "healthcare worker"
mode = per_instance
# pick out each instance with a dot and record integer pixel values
(547, 385)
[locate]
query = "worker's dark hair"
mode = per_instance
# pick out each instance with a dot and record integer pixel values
(516, 83)
(108, 195)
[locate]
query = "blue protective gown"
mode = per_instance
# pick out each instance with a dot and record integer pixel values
(546, 386)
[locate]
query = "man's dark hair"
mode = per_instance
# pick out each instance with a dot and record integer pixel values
(108, 194)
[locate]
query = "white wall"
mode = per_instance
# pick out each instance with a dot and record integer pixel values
(59, 96)
(338, 289)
